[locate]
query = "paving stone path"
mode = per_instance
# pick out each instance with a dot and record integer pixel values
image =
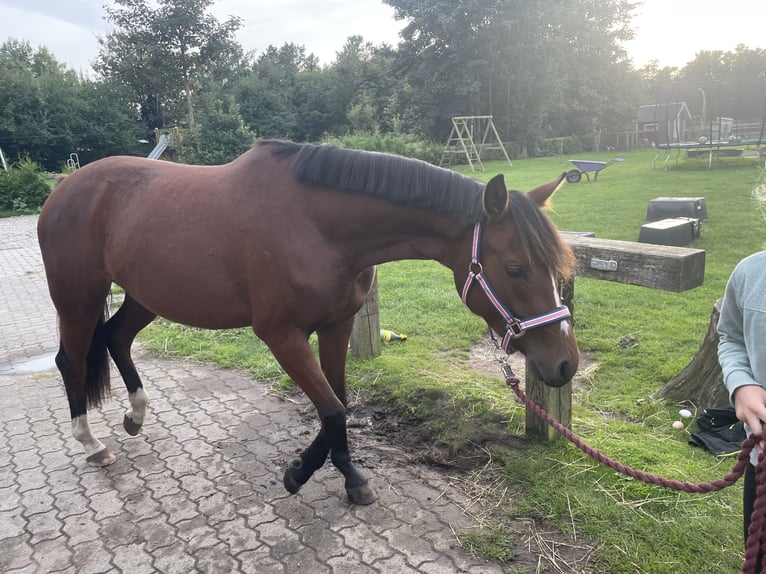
(200, 489)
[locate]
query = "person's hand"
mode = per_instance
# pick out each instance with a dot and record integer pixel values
(750, 407)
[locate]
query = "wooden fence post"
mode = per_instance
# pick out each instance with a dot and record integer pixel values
(555, 401)
(365, 337)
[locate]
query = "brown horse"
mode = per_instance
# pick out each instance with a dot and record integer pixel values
(285, 239)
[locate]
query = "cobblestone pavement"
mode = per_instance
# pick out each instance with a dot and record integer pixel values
(199, 490)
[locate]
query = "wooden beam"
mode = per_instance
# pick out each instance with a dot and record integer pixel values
(656, 266)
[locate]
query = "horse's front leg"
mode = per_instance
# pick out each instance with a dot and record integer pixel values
(294, 354)
(333, 349)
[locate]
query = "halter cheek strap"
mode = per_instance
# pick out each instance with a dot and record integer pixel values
(514, 327)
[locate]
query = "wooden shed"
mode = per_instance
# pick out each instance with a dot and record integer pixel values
(663, 123)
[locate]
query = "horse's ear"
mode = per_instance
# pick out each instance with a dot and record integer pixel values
(495, 196)
(542, 193)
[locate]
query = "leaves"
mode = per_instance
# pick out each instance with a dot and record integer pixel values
(48, 112)
(164, 53)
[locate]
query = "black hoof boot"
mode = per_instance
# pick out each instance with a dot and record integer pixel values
(292, 484)
(130, 427)
(361, 494)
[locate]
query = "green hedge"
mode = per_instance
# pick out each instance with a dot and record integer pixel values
(399, 144)
(23, 187)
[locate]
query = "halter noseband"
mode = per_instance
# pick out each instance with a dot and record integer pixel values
(514, 327)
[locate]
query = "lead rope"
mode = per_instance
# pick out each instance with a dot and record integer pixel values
(756, 535)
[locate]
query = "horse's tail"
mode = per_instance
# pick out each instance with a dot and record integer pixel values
(97, 380)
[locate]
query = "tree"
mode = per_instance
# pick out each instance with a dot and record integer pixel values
(522, 61)
(164, 53)
(442, 60)
(110, 123)
(362, 87)
(600, 87)
(48, 112)
(220, 134)
(267, 95)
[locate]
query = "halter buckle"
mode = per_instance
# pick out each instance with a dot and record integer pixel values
(515, 329)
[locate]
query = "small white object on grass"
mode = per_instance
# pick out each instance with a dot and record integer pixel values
(678, 425)
(685, 413)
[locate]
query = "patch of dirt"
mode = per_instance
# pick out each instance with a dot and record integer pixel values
(378, 423)
(482, 359)
(376, 431)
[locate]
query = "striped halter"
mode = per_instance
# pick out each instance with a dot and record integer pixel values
(514, 327)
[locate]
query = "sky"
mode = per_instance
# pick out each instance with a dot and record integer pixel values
(668, 31)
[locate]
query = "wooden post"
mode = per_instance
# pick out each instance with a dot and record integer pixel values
(557, 402)
(365, 337)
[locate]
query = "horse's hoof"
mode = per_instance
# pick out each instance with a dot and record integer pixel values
(362, 494)
(291, 484)
(130, 427)
(101, 458)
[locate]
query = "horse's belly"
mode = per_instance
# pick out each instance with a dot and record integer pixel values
(207, 298)
(199, 311)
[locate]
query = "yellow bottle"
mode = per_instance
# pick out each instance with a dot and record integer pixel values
(388, 336)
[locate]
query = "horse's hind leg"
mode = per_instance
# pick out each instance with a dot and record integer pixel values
(84, 366)
(119, 333)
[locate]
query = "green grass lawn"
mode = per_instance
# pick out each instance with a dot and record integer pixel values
(631, 527)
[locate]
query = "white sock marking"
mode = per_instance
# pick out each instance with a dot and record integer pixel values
(138, 402)
(82, 433)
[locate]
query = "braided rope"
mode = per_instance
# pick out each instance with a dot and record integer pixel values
(756, 536)
(756, 533)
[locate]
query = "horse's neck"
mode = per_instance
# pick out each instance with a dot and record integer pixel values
(397, 233)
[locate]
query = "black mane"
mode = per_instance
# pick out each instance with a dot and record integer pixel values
(398, 179)
(413, 182)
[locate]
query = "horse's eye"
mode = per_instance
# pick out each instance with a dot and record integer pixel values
(516, 272)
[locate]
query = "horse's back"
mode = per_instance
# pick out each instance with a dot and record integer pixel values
(156, 228)
(120, 192)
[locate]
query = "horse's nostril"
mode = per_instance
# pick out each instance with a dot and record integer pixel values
(566, 371)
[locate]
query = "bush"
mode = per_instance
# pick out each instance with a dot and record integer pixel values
(400, 144)
(559, 146)
(23, 188)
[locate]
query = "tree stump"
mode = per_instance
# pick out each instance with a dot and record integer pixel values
(700, 383)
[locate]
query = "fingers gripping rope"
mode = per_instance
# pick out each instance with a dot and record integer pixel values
(756, 538)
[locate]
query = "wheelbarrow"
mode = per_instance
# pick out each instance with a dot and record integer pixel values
(584, 166)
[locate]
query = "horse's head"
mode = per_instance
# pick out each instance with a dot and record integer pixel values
(517, 260)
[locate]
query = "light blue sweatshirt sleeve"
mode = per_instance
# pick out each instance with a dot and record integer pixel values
(732, 347)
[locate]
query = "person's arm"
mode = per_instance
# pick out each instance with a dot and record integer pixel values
(747, 396)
